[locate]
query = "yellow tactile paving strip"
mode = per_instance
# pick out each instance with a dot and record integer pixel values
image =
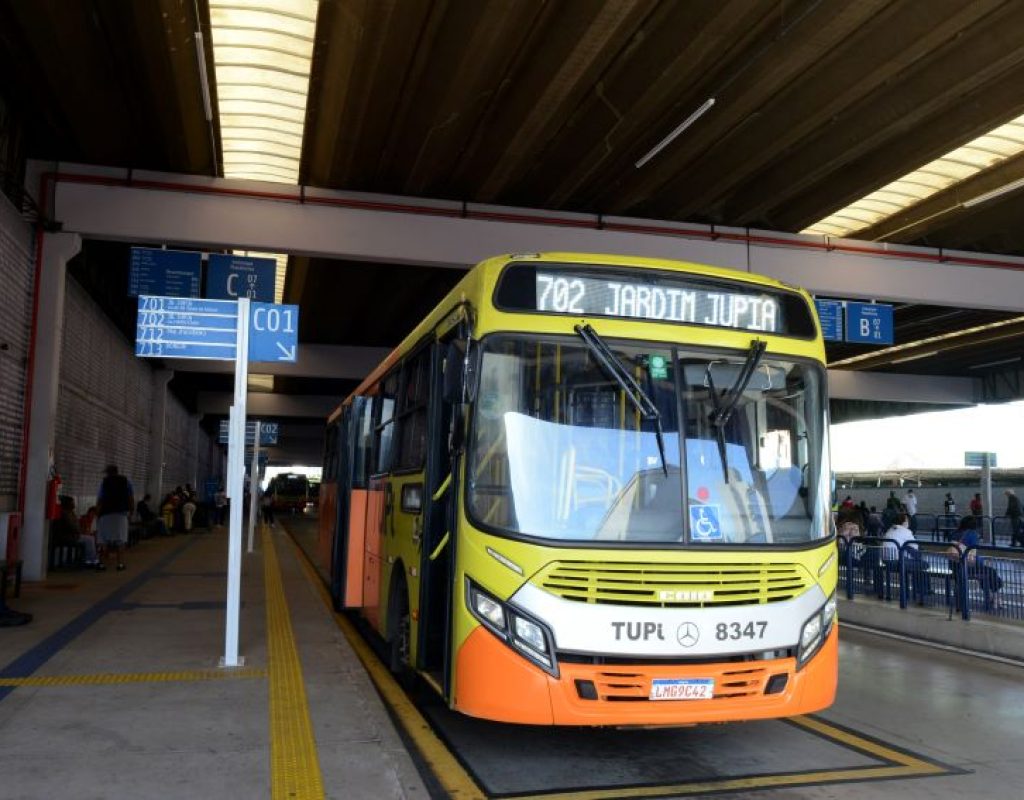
(294, 764)
(455, 780)
(105, 678)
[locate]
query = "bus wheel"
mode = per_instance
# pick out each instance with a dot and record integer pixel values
(399, 628)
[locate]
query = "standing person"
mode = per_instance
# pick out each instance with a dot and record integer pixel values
(114, 501)
(220, 504)
(976, 508)
(267, 504)
(188, 510)
(910, 502)
(1013, 513)
(949, 504)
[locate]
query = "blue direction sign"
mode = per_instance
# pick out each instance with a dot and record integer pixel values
(975, 459)
(170, 327)
(268, 432)
(229, 277)
(830, 313)
(168, 273)
(273, 332)
(869, 323)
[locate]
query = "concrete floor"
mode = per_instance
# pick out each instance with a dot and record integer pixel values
(188, 737)
(171, 731)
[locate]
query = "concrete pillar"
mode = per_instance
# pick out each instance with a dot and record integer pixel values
(48, 333)
(157, 428)
(193, 453)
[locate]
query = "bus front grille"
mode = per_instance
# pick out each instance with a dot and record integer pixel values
(673, 585)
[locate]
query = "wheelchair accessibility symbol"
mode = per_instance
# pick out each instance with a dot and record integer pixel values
(704, 525)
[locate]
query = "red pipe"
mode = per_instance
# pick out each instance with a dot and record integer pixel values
(44, 181)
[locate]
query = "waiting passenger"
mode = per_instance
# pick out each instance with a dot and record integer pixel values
(188, 511)
(985, 574)
(153, 524)
(115, 501)
(873, 523)
(896, 537)
(1013, 513)
(66, 532)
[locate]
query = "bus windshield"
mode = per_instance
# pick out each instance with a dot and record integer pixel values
(559, 452)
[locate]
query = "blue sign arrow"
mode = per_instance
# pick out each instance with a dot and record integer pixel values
(164, 272)
(229, 277)
(273, 332)
(869, 323)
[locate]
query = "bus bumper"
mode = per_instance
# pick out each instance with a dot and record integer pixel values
(494, 682)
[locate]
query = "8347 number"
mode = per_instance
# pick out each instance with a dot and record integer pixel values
(736, 630)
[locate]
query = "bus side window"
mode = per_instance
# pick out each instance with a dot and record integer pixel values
(364, 442)
(330, 471)
(412, 415)
(385, 402)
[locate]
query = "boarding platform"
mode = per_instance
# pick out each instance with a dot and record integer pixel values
(113, 690)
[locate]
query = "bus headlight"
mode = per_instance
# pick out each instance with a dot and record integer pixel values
(815, 630)
(526, 635)
(530, 633)
(488, 608)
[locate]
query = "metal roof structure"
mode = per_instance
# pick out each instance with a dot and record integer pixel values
(559, 105)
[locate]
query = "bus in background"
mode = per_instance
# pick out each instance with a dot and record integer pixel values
(594, 490)
(289, 492)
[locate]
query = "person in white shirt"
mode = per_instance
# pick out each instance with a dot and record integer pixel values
(897, 536)
(910, 501)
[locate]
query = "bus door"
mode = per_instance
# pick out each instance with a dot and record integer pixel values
(344, 500)
(438, 525)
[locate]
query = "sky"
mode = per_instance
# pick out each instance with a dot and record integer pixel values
(936, 440)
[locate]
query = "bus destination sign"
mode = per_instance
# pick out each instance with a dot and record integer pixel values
(656, 300)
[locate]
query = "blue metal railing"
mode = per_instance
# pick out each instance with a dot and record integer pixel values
(995, 582)
(978, 580)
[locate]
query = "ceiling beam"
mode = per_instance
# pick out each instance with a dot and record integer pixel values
(268, 404)
(314, 361)
(893, 387)
(215, 212)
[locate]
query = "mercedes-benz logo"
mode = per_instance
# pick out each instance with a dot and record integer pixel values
(688, 634)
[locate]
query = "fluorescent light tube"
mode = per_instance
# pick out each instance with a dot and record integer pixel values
(682, 126)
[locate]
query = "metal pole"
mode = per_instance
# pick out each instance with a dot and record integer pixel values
(236, 484)
(989, 536)
(254, 483)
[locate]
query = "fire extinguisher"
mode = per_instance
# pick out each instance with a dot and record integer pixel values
(53, 496)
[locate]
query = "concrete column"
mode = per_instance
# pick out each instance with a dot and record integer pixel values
(48, 333)
(193, 452)
(157, 426)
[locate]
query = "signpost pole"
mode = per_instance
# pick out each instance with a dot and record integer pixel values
(254, 484)
(236, 490)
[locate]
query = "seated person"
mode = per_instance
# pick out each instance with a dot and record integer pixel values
(897, 536)
(988, 578)
(65, 531)
(152, 523)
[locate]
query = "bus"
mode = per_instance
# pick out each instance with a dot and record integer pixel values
(594, 490)
(289, 492)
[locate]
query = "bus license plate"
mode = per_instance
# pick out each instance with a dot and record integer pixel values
(682, 689)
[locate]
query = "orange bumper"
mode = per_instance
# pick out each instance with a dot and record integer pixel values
(495, 682)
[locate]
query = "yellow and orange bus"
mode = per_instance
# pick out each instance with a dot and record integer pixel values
(594, 490)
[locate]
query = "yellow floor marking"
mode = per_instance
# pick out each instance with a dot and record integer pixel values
(875, 748)
(135, 677)
(294, 765)
(698, 788)
(449, 772)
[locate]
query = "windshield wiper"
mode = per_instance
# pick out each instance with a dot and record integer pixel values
(725, 405)
(615, 370)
